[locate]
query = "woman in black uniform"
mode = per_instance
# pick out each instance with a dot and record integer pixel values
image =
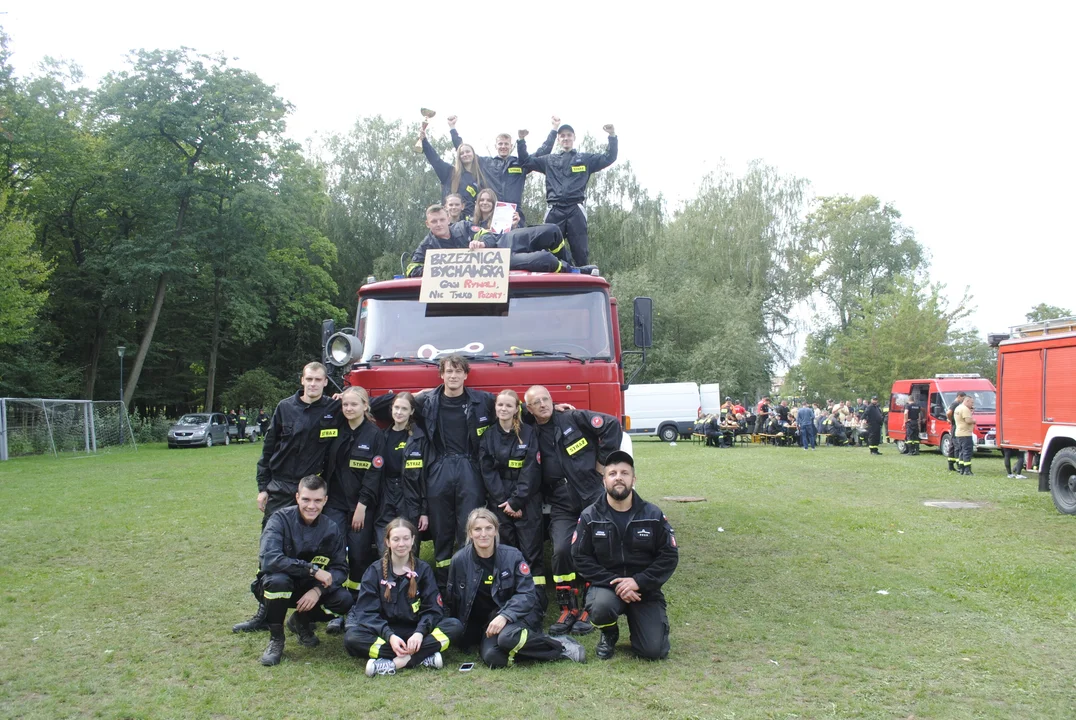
(403, 481)
(491, 593)
(508, 457)
(398, 621)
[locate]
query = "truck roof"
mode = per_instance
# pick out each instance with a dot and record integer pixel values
(1055, 329)
(516, 279)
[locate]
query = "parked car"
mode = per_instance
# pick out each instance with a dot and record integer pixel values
(668, 410)
(195, 429)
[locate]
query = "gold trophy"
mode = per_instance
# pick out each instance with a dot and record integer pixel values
(426, 114)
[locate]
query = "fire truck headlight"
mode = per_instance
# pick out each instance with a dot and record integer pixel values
(342, 349)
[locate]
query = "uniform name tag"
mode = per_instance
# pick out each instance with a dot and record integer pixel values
(360, 464)
(515, 171)
(412, 465)
(330, 432)
(471, 191)
(516, 464)
(414, 606)
(579, 168)
(577, 446)
(481, 430)
(321, 561)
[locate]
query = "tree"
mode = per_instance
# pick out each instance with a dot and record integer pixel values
(186, 127)
(853, 250)
(1043, 312)
(22, 277)
(255, 389)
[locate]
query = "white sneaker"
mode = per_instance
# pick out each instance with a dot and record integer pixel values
(1010, 476)
(434, 661)
(380, 666)
(1018, 476)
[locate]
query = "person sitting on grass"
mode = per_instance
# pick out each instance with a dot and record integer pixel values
(398, 620)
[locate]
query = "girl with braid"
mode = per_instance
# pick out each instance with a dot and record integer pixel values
(508, 457)
(398, 620)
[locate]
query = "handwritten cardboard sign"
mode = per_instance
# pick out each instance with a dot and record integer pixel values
(466, 276)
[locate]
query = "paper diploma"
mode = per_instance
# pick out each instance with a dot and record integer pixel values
(502, 217)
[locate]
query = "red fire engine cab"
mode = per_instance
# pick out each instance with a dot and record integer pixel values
(1037, 402)
(934, 396)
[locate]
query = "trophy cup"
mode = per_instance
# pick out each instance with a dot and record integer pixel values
(426, 115)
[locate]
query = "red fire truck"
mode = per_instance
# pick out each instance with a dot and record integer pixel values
(557, 330)
(934, 396)
(1037, 402)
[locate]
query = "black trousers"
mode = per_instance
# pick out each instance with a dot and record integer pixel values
(280, 592)
(1009, 453)
(360, 642)
(965, 449)
(525, 534)
(395, 502)
(564, 509)
(538, 249)
(517, 642)
(572, 221)
(648, 622)
(911, 436)
(874, 437)
(453, 489)
(278, 498)
(360, 552)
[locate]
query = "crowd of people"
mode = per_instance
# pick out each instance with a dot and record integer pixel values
(838, 423)
(473, 185)
(345, 501)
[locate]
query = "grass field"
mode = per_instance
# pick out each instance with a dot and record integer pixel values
(121, 575)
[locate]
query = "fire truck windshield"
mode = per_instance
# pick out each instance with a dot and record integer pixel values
(985, 400)
(576, 324)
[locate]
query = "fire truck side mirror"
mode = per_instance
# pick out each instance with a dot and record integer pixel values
(328, 327)
(644, 322)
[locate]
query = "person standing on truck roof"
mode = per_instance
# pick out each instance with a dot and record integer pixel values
(873, 416)
(464, 176)
(299, 435)
(913, 418)
(964, 417)
(574, 445)
(566, 176)
(504, 172)
(952, 437)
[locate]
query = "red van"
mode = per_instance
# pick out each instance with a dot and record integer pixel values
(934, 396)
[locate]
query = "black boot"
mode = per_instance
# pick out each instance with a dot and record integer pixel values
(967, 469)
(568, 612)
(255, 623)
(275, 651)
(606, 646)
(952, 464)
(335, 626)
(299, 623)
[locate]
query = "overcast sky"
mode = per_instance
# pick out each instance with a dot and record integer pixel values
(959, 114)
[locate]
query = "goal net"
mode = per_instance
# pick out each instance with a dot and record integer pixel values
(33, 426)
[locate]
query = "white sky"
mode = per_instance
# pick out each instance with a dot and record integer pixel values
(960, 114)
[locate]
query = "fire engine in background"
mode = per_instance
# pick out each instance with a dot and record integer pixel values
(1037, 394)
(557, 330)
(934, 396)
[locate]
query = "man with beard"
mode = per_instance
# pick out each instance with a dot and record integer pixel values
(626, 549)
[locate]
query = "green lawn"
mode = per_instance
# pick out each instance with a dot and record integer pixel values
(122, 574)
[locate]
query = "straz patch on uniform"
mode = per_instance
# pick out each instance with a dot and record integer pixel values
(321, 561)
(471, 191)
(359, 464)
(576, 446)
(597, 421)
(378, 461)
(579, 168)
(413, 465)
(515, 171)
(525, 568)
(515, 464)
(479, 431)
(329, 433)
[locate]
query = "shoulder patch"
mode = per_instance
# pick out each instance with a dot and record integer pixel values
(378, 461)
(440, 603)
(524, 568)
(575, 536)
(538, 456)
(597, 421)
(672, 539)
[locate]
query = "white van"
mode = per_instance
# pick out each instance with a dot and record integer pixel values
(668, 410)
(711, 398)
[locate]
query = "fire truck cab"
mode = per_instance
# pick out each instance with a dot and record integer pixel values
(1037, 402)
(935, 395)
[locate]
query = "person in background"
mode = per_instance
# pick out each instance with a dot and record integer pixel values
(805, 421)
(964, 431)
(873, 416)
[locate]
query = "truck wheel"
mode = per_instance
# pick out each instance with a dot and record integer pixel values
(669, 433)
(902, 447)
(945, 444)
(1063, 481)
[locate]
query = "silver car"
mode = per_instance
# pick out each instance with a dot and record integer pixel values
(195, 429)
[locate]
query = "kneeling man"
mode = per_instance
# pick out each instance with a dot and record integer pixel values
(625, 548)
(303, 563)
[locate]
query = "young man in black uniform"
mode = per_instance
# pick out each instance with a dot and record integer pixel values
(303, 566)
(873, 416)
(299, 434)
(951, 455)
(574, 445)
(444, 236)
(625, 548)
(913, 416)
(566, 176)
(504, 173)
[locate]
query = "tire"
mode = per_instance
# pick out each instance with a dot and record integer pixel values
(902, 447)
(669, 433)
(227, 439)
(945, 444)
(1063, 481)
(209, 440)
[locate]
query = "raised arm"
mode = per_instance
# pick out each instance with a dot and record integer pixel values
(600, 161)
(443, 169)
(526, 160)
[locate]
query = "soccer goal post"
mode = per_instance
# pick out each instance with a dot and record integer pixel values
(40, 426)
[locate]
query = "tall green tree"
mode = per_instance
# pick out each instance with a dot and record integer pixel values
(23, 274)
(1043, 312)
